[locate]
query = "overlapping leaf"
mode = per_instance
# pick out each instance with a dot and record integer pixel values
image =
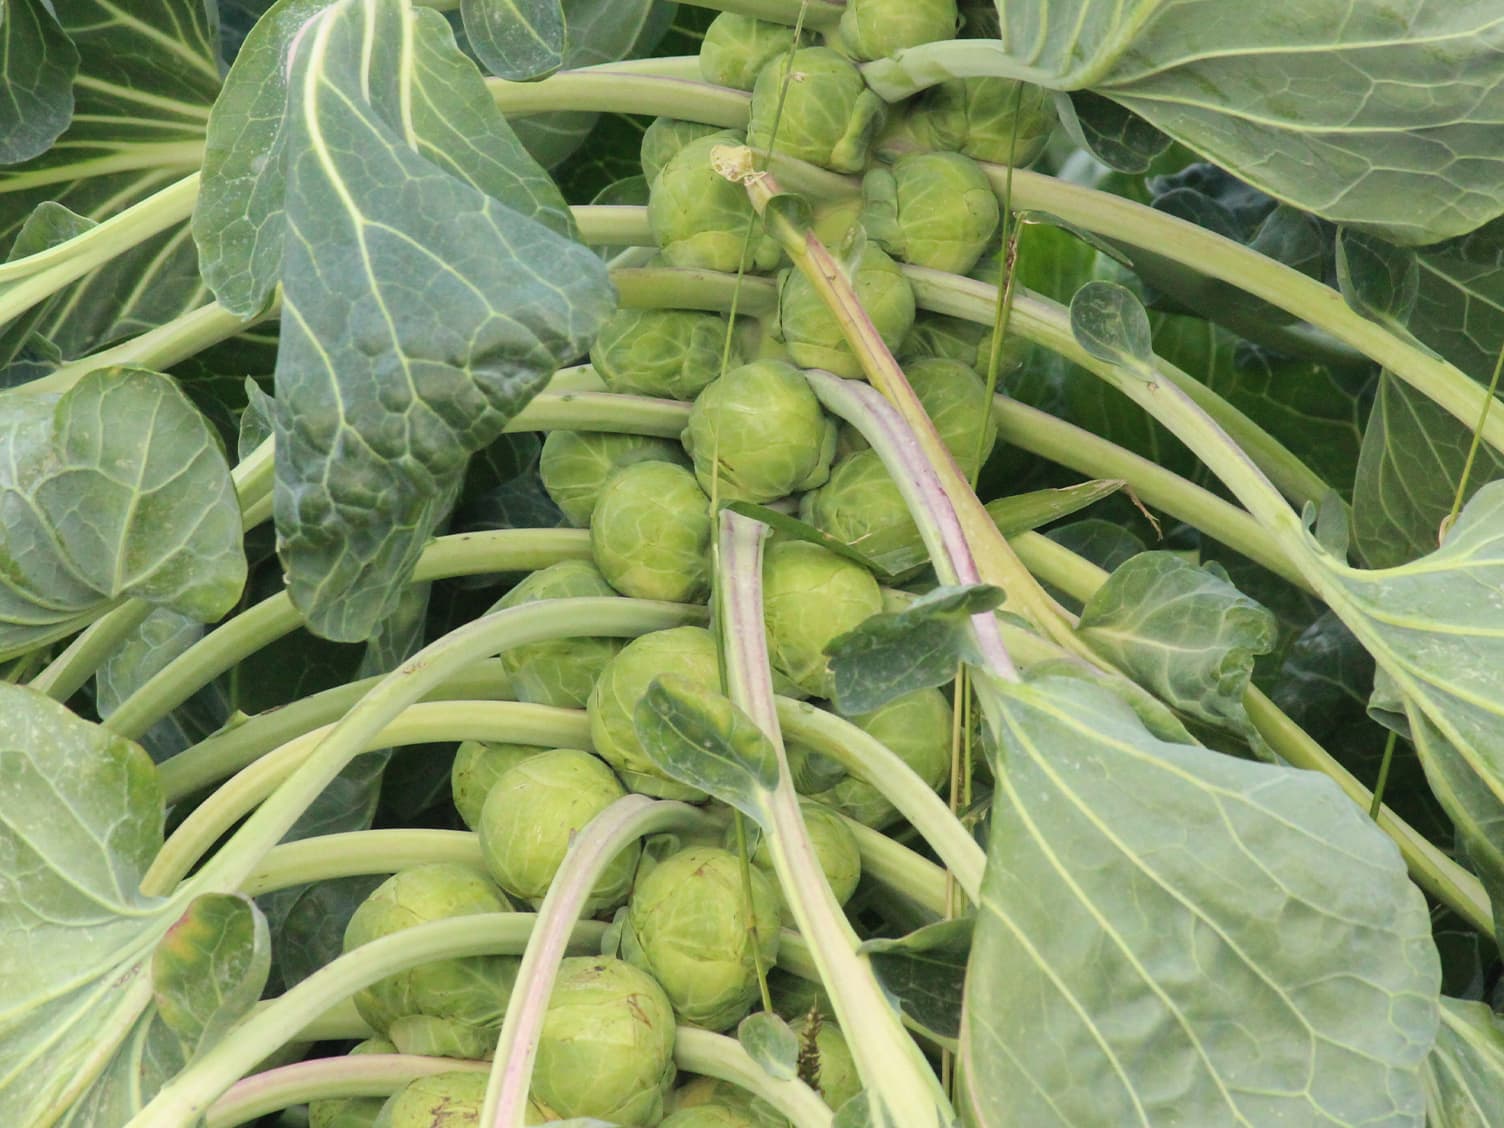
(1465, 1072)
(1168, 935)
(36, 101)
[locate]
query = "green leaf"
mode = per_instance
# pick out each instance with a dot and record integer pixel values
(116, 489)
(40, 62)
(160, 638)
(80, 821)
(1181, 631)
(50, 225)
(1459, 303)
(1465, 1072)
(771, 1043)
(705, 741)
(1020, 513)
(898, 652)
(1378, 279)
(924, 971)
(516, 39)
(1117, 137)
(422, 309)
(211, 967)
(1169, 935)
(1110, 323)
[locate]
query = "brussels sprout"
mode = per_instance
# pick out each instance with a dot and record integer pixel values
(709, 1116)
(861, 506)
(699, 218)
(351, 1112)
(955, 399)
(832, 220)
(917, 729)
(760, 430)
(531, 816)
(607, 1044)
(702, 1092)
(559, 672)
(875, 29)
(443, 1100)
(651, 531)
(688, 925)
(687, 651)
(837, 1078)
(813, 335)
(828, 116)
(835, 849)
(670, 353)
(574, 465)
(736, 48)
(931, 209)
(811, 595)
(979, 117)
(478, 764)
(664, 137)
(471, 992)
(936, 335)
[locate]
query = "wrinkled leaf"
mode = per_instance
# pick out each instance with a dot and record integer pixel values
(896, 653)
(421, 309)
(1465, 1072)
(1168, 935)
(516, 39)
(1184, 632)
(924, 971)
(40, 61)
(210, 967)
(771, 1043)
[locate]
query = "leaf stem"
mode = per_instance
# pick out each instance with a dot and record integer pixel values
(359, 852)
(624, 92)
(715, 1055)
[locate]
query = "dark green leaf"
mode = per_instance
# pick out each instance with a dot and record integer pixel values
(516, 39)
(50, 225)
(896, 653)
(308, 922)
(771, 1043)
(210, 968)
(1116, 136)
(1110, 323)
(1183, 632)
(1459, 307)
(705, 741)
(39, 64)
(141, 654)
(421, 310)
(1465, 1072)
(1378, 279)
(1171, 935)
(925, 971)
(1105, 543)
(1021, 513)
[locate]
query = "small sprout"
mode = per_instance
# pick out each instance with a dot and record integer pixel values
(980, 116)
(955, 399)
(875, 29)
(737, 47)
(936, 335)
(470, 992)
(812, 333)
(351, 1112)
(532, 815)
(931, 209)
(711, 1092)
(829, 117)
(664, 137)
(687, 651)
(559, 672)
(861, 506)
(810, 596)
(700, 219)
(606, 1049)
(917, 729)
(574, 466)
(669, 353)
(710, 1116)
(650, 534)
(478, 764)
(835, 849)
(442, 1100)
(760, 430)
(830, 1057)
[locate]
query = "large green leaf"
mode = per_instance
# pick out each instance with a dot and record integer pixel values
(210, 967)
(117, 488)
(1465, 1072)
(516, 39)
(39, 64)
(80, 821)
(1459, 304)
(1378, 115)
(422, 309)
(1172, 936)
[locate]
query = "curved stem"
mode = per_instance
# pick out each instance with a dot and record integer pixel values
(653, 287)
(715, 1055)
(360, 852)
(818, 13)
(624, 92)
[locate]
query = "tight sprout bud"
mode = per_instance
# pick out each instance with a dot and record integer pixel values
(574, 466)
(835, 849)
(736, 48)
(700, 219)
(875, 29)
(351, 1112)
(955, 399)
(712, 1092)
(688, 925)
(931, 209)
(470, 992)
(828, 117)
(442, 1100)
(606, 1049)
(559, 672)
(687, 651)
(811, 595)
(532, 815)
(837, 1080)
(986, 118)
(478, 764)
(860, 506)
(917, 729)
(813, 334)
(650, 534)
(709, 1116)
(670, 353)
(666, 136)
(759, 429)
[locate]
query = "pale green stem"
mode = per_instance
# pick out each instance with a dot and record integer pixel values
(895, 866)
(664, 287)
(818, 14)
(593, 849)
(187, 1097)
(360, 852)
(324, 1079)
(715, 1055)
(928, 64)
(339, 1023)
(621, 91)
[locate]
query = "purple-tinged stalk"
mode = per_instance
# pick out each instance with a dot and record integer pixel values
(901, 1088)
